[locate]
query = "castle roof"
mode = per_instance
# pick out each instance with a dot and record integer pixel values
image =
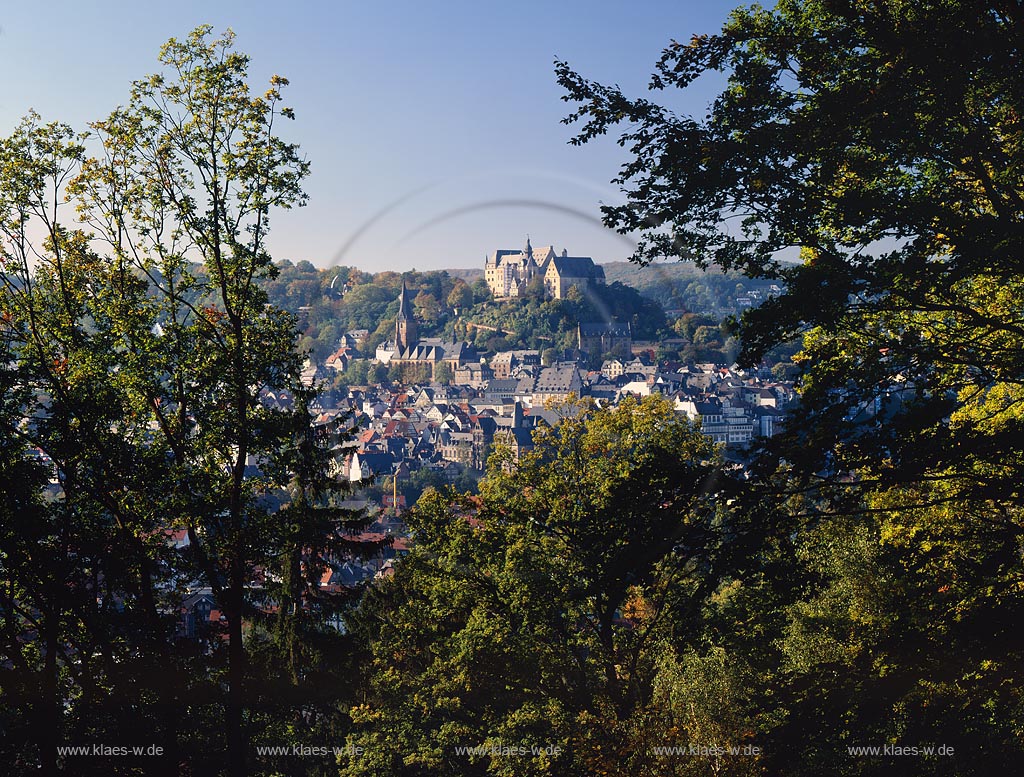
(577, 267)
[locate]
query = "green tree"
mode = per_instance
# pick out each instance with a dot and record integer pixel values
(302, 657)
(427, 308)
(443, 373)
(357, 372)
(481, 291)
(206, 170)
(707, 337)
(461, 296)
(879, 141)
(883, 143)
(94, 535)
(377, 374)
(140, 353)
(365, 305)
(703, 701)
(526, 615)
(34, 544)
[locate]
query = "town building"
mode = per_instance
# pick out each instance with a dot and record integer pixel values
(421, 355)
(556, 382)
(507, 363)
(598, 339)
(563, 272)
(508, 272)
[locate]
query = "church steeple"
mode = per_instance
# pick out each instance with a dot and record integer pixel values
(405, 325)
(528, 250)
(404, 305)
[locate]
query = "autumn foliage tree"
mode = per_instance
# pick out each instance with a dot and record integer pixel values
(880, 146)
(534, 615)
(139, 344)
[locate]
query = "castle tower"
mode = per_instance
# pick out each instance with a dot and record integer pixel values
(405, 325)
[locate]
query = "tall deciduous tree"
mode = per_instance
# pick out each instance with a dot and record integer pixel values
(191, 169)
(461, 295)
(882, 142)
(87, 590)
(139, 354)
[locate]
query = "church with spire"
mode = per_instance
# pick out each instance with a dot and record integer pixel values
(406, 331)
(421, 355)
(509, 272)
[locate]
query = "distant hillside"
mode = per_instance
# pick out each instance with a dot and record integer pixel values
(328, 303)
(683, 286)
(628, 271)
(468, 274)
(331, 302)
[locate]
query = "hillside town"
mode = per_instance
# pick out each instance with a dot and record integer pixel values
(499, 397)
(443, 431)
(446, 407)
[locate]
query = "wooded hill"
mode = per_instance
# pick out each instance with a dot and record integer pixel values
(341, 299)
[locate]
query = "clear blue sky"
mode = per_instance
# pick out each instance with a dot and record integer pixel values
(448, 109)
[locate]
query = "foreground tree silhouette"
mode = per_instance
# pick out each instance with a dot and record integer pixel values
(883, 143)
(139, 353)
(191, 171)
(83, 561)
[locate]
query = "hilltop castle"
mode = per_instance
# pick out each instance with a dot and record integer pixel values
(509, 272)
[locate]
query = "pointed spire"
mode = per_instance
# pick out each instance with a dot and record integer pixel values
(404, 305)
(529, 248)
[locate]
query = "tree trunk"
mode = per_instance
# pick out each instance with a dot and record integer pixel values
(49, 734)
(237, 741)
